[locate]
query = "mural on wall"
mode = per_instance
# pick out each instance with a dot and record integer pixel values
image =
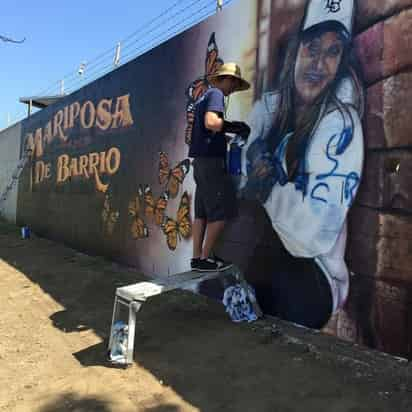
(303, 162)
(138, 227)
(145, 205)
(323, 187)
(66, 134)
(110, 173)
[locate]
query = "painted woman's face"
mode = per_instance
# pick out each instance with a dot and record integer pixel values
(316, 65)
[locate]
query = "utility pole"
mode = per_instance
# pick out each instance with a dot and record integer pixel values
(116, 60)
(82, 68)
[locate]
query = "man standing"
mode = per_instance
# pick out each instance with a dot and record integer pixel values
(215, 197)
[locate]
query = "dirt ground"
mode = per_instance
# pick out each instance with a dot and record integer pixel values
(55, 312)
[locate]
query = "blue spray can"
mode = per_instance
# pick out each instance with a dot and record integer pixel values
(235, 159)
(25, 232)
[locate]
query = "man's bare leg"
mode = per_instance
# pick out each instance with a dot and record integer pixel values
(213, 231)
(198, 231)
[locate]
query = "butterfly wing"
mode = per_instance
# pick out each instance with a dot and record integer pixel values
(169, 227)
(190, 119)
(195, 90)
(212, 61)
(106, 209)
(149, 202)
(111, 222)
(182, 227)
(132, 208)
(198, 87)
(135, 206)
(139, 229)
(177, 176)
(160, 208)
(181, 170)
(183, 217)
(163, 168)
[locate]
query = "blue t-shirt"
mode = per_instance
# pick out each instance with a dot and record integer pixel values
(206, 143)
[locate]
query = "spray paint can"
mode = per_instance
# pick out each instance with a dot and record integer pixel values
(25, 232)
(235, 158)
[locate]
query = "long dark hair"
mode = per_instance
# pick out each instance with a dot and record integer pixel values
(285, 120)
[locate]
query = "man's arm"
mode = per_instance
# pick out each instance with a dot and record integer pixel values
(213, 122)
(216, 124)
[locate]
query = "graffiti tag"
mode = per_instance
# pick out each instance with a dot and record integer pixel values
(333, 5)
(350, 181)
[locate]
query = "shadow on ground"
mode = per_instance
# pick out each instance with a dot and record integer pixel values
(71, 402)
(188, 343)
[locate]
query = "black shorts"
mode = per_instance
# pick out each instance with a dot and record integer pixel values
(215, 196)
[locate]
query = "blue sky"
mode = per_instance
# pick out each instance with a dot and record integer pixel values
(59, 36)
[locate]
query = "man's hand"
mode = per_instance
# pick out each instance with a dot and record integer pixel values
(239, 128)
(244, 130)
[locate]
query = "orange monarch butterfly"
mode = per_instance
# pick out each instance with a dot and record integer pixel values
(138, 229)
(181, 227)
(172, 177)
(109, 216)
(198, 87)
(155, 209)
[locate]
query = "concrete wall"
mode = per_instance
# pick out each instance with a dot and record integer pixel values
(10, 140)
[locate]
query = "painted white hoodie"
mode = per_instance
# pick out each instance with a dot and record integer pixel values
(314, 226)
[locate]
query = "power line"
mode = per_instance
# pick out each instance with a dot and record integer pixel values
(151, 43)
(181, 11)
(105, 53)
(93, 71)
(135, 52)
(93, 61)
(103, 64)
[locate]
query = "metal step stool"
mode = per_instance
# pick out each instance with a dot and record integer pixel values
(133, 296)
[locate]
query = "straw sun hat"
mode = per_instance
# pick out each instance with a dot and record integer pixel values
(233, 70)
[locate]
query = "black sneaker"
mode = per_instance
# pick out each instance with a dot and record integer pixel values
(194, 262)
(209, 265)
(222, 264)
